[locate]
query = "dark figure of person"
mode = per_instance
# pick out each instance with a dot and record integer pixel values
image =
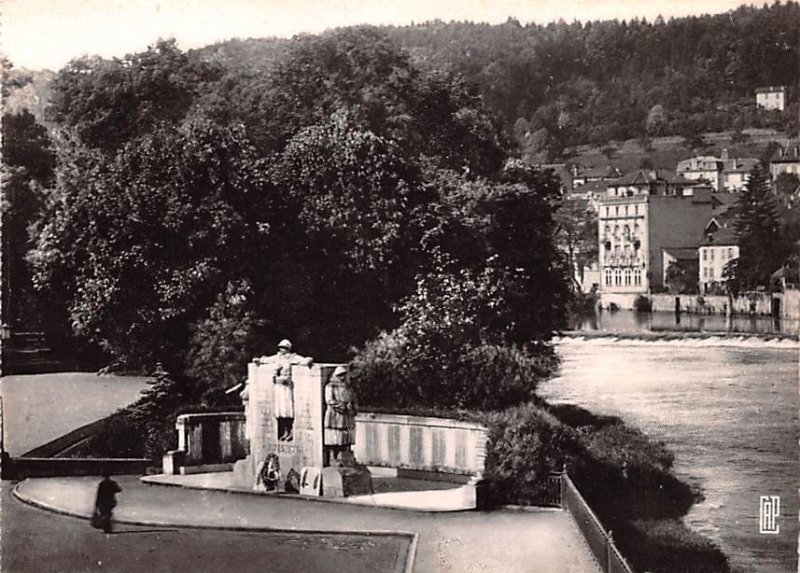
(104, 504)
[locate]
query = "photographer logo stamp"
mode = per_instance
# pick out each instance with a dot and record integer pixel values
(769, 509)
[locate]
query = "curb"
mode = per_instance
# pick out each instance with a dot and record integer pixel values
(298, 497)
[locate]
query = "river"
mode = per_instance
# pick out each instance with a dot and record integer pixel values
(726, 406)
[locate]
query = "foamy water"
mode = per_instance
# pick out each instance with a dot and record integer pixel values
(727, 406)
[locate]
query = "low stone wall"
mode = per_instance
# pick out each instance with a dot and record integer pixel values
(211, 442)
(207, 442)
(419, 443)
(755, 303)
(751, 303)
(790, 307)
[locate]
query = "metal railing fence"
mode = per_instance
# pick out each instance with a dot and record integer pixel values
(600, 542)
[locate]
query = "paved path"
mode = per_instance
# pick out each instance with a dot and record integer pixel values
(543, 541)
(39, 541)
(38, 408)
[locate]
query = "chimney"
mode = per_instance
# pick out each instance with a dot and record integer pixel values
(724, 154)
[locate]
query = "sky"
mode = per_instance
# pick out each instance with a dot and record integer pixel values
(39, 34)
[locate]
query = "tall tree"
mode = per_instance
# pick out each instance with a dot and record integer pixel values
(27, 165)
(758, 232)
(576, 236)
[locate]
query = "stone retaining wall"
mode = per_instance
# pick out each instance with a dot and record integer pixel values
(211, 442)
(414, 442)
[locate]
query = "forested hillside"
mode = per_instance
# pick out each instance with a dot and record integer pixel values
(557, 86)
(590, 83)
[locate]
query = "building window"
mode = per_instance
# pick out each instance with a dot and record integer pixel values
(637, 277)
(608, 277)
(616, 211)
(711, 273)
(712, 254)
(627, 277)
(705, 272)
(730, 253)
(705, 255)
(617, 277)
(626, 210)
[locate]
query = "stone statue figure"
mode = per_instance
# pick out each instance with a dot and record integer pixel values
(340, 416)
(283, 393)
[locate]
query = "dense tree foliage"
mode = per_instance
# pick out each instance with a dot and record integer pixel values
(335, 176)
(108, 102)
(138, 243)
(360, 70)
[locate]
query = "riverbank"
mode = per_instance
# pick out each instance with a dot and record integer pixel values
(726, 408)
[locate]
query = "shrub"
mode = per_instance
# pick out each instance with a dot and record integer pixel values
(642, 304)
(526, 444)
(667, 545)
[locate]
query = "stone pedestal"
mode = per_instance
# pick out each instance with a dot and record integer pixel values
(306, 449)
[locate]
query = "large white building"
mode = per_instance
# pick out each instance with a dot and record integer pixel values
(642, 214)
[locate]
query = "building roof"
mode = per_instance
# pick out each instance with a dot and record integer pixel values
(701, 163)
(740, 165)
(724, 237)
(724, 202)
(592, 187)
(649, 176)
(682, 253)
(770, 89)
(605, 172)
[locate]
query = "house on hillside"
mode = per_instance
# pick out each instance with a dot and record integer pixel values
(641, 214)
(771, 97)
(786, 159)
(704, 168)
(583, 175)
(592, 192)
(722, 173)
